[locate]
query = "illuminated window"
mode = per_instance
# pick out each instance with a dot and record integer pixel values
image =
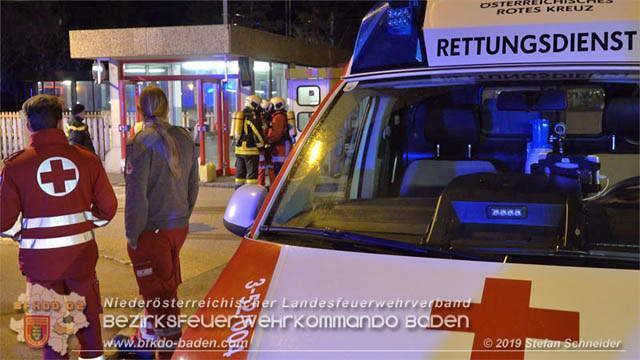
(278, 80)
(84, 94)
(308, 95)
(261, 77)
(101, 97)
(303, 120)
(217, 67)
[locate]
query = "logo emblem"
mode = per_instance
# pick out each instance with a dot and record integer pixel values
(36, 330)
(57, 176)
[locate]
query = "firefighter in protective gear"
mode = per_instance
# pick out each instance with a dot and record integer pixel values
(63, 193)
(278, 134)
(249, 141)
(266, 106)
(265, 166)
(293, 130)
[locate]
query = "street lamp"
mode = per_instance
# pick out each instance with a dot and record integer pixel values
(98, 71)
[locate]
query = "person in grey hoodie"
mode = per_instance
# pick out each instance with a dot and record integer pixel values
(162, 180)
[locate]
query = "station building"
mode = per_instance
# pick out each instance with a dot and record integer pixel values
(206, 71)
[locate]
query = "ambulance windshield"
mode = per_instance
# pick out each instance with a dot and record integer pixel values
(465, 161)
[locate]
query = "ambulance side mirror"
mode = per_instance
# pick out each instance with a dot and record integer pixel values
(243, 208)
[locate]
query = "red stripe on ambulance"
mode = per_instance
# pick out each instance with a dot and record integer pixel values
(245, 280)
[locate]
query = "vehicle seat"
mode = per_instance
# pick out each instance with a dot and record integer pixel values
(428, 177)
(620, 117)
(451, 126)
(618, 167)
(455, 128)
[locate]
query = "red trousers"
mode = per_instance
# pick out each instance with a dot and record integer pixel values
(265, 167)
(156, 265)
(89, 338)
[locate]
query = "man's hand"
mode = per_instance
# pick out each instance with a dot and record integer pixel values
(15, 237)
(133, 244)
(15, 233)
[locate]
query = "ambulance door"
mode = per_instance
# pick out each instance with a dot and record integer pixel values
(305, 96)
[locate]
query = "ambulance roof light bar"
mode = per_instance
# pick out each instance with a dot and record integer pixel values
(390, 37)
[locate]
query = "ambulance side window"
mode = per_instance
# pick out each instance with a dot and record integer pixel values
(302, 120)
(308, 95)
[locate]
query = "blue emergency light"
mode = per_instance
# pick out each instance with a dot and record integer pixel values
(399, 21)
(390, 37)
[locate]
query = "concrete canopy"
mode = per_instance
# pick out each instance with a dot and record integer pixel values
(199, 41)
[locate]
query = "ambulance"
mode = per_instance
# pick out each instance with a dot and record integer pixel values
(468, 190)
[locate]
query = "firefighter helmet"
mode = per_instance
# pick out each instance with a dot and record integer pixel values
(266, 105)
(278, 103)
(252, 101)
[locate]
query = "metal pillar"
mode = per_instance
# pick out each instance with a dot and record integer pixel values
(201, 122)
(123, 119)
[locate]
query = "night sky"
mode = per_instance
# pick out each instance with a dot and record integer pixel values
(35, 40)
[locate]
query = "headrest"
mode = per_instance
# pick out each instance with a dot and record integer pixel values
(446, 123)
(620, 117)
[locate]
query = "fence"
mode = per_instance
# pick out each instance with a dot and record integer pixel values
(11, 133)
(14, 135)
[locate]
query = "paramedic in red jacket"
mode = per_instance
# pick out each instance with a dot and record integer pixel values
(162, 183)
(63, 193)
(278, 134)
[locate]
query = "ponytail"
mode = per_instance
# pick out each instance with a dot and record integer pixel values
(162, 127)
(154, 106)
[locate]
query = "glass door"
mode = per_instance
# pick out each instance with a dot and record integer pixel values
(213, 125)
(232, 99)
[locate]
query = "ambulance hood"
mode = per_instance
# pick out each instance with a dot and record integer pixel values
(319, 304)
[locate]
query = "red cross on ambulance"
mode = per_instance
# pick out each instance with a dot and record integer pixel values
(57, 176)
(504, 314)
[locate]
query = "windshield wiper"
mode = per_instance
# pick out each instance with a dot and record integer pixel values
(611, 256)
(345, 237)
(545, 252)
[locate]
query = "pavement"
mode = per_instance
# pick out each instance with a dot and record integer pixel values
(208, 248)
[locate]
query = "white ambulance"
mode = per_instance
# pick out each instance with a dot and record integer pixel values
(469, 190)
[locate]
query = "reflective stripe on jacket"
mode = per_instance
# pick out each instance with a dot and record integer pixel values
(251, 141)
(63, 193)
